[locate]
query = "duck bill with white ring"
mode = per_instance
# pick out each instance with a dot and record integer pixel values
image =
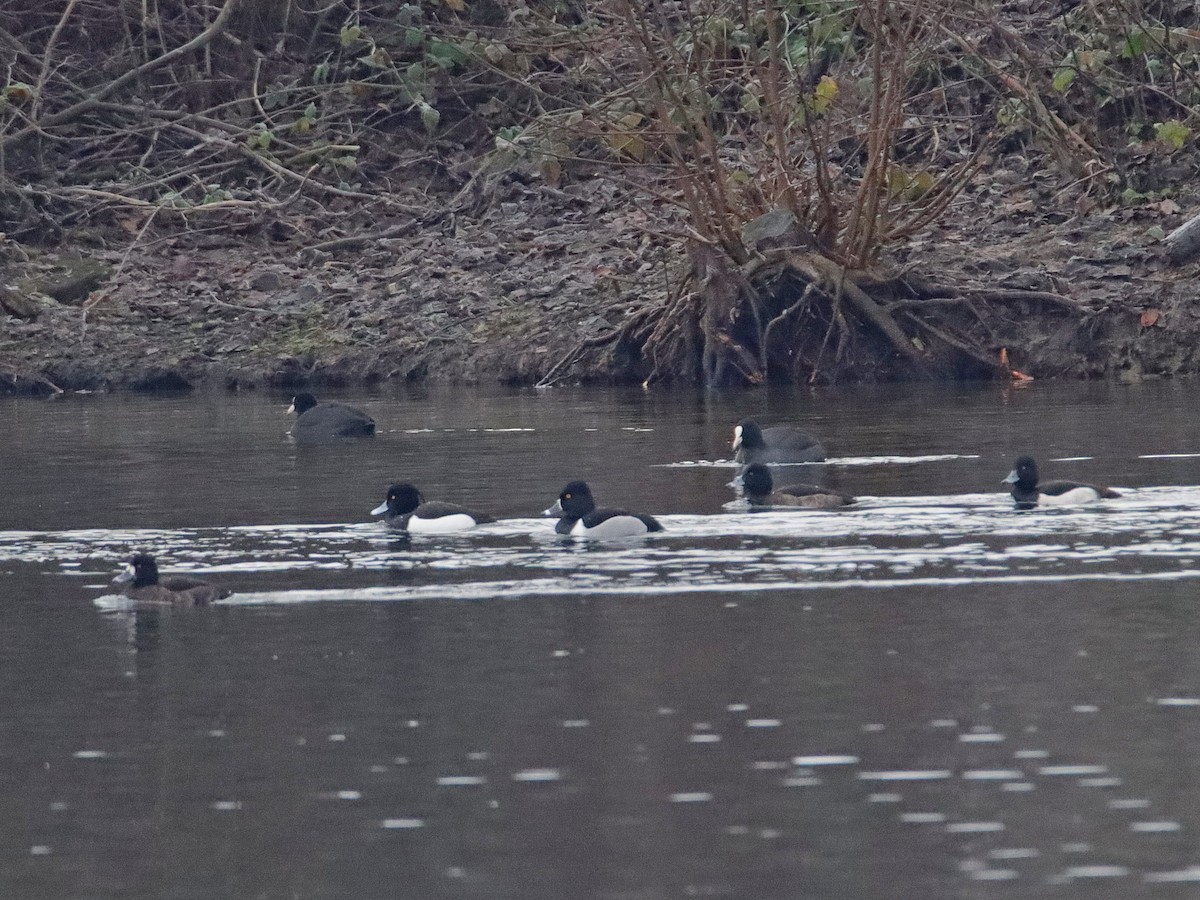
(554, 512)
(1011, 478)
(737, 437)
(380, 509)
(126, 577)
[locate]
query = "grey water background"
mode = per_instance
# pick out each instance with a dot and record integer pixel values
(928, 695)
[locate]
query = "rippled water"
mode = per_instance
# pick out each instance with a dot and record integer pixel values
(928, 694)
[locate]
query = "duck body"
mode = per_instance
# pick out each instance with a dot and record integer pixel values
(316, 422)
(142, 583)
(759, 490)
(780, 444)
(1028, 492)
(579, 516)
(404, 509)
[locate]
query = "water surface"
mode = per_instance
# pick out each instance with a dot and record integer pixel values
(926, 695)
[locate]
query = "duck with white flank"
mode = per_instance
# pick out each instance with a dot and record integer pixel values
(406, 510)
(1028, 492)
(578, 516)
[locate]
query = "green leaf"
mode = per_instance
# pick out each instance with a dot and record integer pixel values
(408, 13)
(310, 112)
(1173, 133)
(1012, 112)
(376, 59)
(430, 117)
(444, 54)
(823, 96)
(1135, 44)
(751, 103)
(349, 34)
(1064, 76)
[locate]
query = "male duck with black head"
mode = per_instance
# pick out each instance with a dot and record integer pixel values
(142, 583)
(579, 516)
(404, 509)
(1029, 492)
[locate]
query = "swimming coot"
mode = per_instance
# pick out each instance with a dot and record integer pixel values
(328, 421)
(780, 444)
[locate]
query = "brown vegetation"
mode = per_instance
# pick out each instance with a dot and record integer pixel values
(803, 143)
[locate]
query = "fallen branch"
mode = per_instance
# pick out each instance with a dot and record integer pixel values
(15, 373)
(600, 340)
(355, 241)
(1183, 244)
(89, 103)
(1008, 296)
(976, 353)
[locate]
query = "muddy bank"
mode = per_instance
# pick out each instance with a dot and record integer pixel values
(974, 192)
(506, 294)
(498, 297)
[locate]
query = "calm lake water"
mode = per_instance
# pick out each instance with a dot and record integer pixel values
(929, 695)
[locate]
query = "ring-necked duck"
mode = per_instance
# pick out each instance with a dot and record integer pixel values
(780, 444)
(579, 516)
(142, 584)
(759, 489)
(1028, 492)
(406, 510)
(328, 421)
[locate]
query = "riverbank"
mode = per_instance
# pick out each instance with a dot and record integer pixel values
(508, 293)
(903, 193)
(497, 297)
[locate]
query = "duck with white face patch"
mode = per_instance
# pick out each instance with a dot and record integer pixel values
(142, 583)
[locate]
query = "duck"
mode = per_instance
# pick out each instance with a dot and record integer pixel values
(1028, 492)
(141, 582)
(759, 489)
(781, 444)
(328, 421)
(406, 510)
(578, 516)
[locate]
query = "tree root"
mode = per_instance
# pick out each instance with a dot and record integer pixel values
(775, 318)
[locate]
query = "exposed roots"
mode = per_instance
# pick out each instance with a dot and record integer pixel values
(797, 316)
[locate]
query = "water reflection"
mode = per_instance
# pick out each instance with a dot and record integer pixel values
(926, 695)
